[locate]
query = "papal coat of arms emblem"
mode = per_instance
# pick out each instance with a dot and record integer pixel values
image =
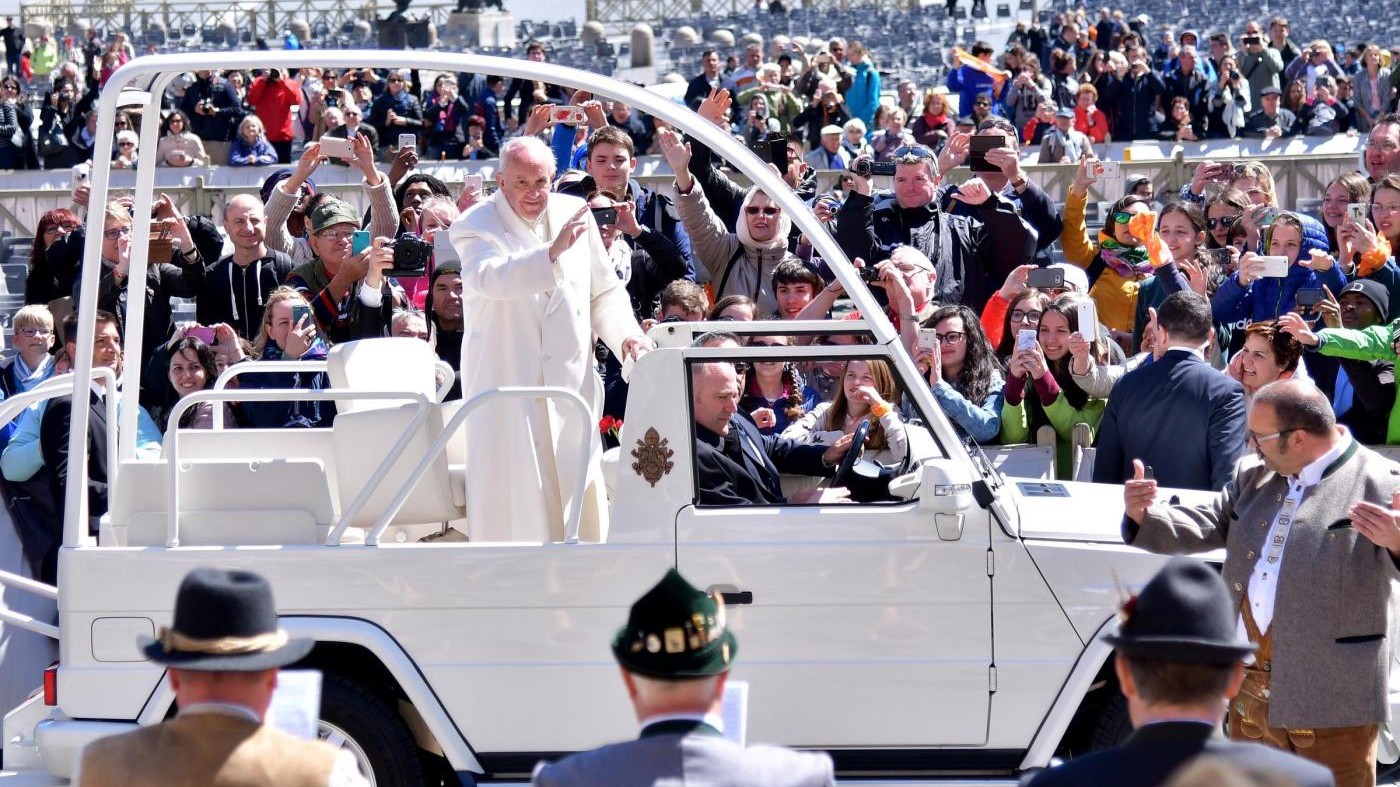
(653, 457)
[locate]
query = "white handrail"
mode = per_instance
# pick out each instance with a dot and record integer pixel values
(572, 517)
(28, 585)
(62, 384)
(28, 623)
(172, 437)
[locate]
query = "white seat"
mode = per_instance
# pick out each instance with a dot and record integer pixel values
(362, 439)
(1023, 461)
(388, 364)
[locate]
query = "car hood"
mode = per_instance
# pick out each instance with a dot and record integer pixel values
(1075, 511)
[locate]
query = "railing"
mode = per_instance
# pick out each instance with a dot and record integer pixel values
(273, 367)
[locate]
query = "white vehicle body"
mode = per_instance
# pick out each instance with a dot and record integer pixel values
(957, 632)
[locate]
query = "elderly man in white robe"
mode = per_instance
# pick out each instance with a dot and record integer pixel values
(536, 289)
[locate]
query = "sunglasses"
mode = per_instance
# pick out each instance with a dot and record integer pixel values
(1222, 222)
(981, 103)
(913, 152)
(395, 79)
(742, 367)
(1123, 217)
(754, 210)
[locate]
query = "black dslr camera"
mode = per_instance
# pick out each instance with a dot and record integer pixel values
(411, 254)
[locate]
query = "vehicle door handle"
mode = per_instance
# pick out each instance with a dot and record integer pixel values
(731, 595)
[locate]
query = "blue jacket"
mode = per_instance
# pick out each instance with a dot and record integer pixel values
(863, 98)
(969, 83)
(241, 154)
(1267, 298)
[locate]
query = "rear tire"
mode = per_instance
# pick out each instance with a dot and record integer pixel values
(360, 721)
(1113, 726)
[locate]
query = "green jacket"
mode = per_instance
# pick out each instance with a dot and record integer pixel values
(1016, 426)
(43, 59)
(1367, 344)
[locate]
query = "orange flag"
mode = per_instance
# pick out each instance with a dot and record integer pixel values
(977, 64)
(1144, 225)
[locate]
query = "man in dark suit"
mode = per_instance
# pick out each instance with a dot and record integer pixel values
(1178, 415)
(675, 653)
(739, 465)
(1178, 660)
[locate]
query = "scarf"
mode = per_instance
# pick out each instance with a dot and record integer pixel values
(1128, 262)
(28, 378)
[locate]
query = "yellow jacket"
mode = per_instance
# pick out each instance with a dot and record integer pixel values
(1115, 297)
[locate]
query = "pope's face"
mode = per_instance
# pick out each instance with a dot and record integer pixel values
(525, 179)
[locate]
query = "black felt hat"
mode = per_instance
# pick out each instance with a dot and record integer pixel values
(224, 621)
(676, 631)
(1183, 615)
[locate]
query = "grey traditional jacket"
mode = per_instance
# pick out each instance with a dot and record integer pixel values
(1332, 612)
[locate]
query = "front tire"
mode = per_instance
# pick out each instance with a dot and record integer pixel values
(1113, 726)
(359, 721)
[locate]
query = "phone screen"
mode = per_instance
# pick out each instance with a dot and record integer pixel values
(778, 154)
(977, 152)
(301, 311)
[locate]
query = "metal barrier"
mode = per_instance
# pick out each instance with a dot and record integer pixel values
(204, 191)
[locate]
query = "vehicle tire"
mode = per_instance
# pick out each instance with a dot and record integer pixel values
(1113, 726)
(358, 720)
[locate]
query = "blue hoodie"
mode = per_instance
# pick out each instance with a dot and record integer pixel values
(1267, 298)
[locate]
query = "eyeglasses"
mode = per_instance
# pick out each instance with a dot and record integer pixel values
(951, 337)
(1381, 209)
(336, 234)
(116, 232)
(34, 333)
(1222, 222)
(126, 144)
(754, 210)
(1025, 316)
(395, 79)
(981, 103)
(1250, 437)
(741, 368)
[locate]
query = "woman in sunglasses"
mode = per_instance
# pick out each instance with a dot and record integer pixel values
(776, 394)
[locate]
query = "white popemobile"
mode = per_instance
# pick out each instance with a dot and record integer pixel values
(953, 633)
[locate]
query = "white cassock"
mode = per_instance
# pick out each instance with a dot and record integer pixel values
(529, 321)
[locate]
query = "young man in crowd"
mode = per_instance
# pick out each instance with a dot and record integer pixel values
(235, 288)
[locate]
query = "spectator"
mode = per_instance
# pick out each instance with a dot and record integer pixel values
(1323, 115)
(970, 81)
(1001, 317)
(1180, 125)
(1372, 246)
(1360, 388)
(178, 146)
(1383, 148)
(794, 286)
(236, 287)
(1182, 228)
(43, 59)
(288, 196)
(853, 140)
(126, 154)
(1268, 354)
(706, 81)
(445, 121)
(510, 263)
(1064, 82)
(12, 152)
(1190, 80)
(444, 310)
(409, 324)
(1272, 121)
(13, 39)
(775, 395)
(734, 308)
(741, 261)
(1089, 120)
(31, 364)
(350, 296)
(251, 148)
(1281, 43)
(1317, 62)
(963, 372)
(1136, 95)
(624, 117)
(1294, 97)
(85, 139)
(745, 77)
(829, 153)
(50, 280)
(826, 109)
(1033, 133)
(1040, 390)
(274, 98)
(214, 110)
(863, 96)
(396, 110)
(645, 262)
(1230, 102)
(354, 125)
(1028, 90)
(286, 336)
(894, 138)
(1375, 91)
(987, 236)
(934, 126)
(868, 392)
(1348, 188)
(59, 120)
(1177, 415)
(1063, 144)
(1249, 294)
(191, 367)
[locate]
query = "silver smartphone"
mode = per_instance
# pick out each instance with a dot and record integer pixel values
(1356, 211)
(1275, 267)
(1025, 339)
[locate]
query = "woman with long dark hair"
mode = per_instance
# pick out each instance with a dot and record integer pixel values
(776, 394)
(191, 366)
(1022, 314)
(963, 372)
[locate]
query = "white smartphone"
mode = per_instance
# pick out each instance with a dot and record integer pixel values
(570, 115)
(1088, 318)
(337, 147)
(1275, 267)
(408, 141)
(1025, 339)
(928, 339)
(1356, 211)
(1108, 170)
(81, 174)
(473, 183)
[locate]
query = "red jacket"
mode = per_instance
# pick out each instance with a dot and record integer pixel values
(273, 102)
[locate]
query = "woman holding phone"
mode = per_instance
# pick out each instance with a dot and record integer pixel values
(1040, 390)
(1267, 285)
(192, 365)
(288, 333)
(963, 371)
(1369, 246)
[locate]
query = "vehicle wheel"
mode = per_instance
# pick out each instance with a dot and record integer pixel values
(361, 722)
(1113, 725)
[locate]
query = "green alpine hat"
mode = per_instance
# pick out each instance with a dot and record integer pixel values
(676, 631)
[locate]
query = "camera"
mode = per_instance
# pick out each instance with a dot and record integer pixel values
(869, 274)
(411, 255)
(867, 167)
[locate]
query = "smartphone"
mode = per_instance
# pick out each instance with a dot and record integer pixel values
(1046, 279)
(81, 174)
(1108, 170)
(302, 311)
(337, 147)
(605, 216)
(1309, 297)
(569, 115)
(1087, 316)
(473, 183)
(1266, 215)
(1025, 340)
(408, 141)
(1356, 211)
(1275, 267)
(928, 339)
(977, 152)
(359, 241)
(1221, 257)
(778, 154)
(201, 333)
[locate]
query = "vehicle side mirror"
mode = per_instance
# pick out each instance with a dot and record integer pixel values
(945, 486)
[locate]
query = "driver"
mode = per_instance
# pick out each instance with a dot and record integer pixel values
(738, 465)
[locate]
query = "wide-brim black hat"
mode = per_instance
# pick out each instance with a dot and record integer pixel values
(225, 621)
(674, 632)
(1183, 615)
